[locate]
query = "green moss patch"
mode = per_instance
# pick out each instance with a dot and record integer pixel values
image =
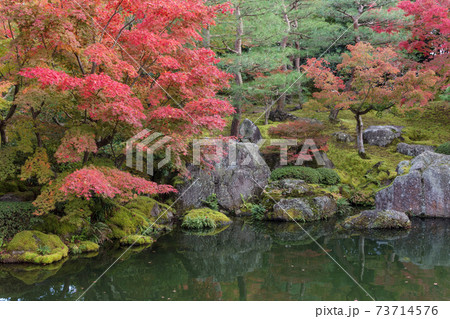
(83, 247)
(34, 247)
(204, 218)
(136, 240)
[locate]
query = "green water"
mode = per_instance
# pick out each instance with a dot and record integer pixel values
(252, 262)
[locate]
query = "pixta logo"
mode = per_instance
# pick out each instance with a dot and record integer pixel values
(150, 143)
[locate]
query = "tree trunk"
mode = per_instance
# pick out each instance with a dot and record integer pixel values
(237, 76)
(282, 100)
(4, 137)
(206, 34)
(235, 125)
(359, 136)
(332, 117)
(267, 111)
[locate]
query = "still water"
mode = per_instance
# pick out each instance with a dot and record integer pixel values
(267, 261)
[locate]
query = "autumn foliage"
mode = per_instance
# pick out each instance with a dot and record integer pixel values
(97, 72)
(369, 79)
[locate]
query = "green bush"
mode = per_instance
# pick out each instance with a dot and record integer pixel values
(343, 206)
(258, 211)
(211, 202)
(15, 217)
(443, 148)
(328, 176)
(308, 174)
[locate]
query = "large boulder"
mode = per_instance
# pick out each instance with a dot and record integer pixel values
(249, 132)
(413, 149)
(377, 219)
(403, 167)
(34, 247)
(382, 135)
(229, 180)
(423, 191)
(303, 209)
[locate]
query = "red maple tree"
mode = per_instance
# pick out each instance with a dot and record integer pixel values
(98, 71)
(369, 79)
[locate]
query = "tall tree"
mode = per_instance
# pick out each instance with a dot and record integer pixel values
(96, 72)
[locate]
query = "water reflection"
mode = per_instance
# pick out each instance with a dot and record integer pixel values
(252, 262)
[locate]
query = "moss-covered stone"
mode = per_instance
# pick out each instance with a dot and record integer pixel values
(204, 218)
(152, 209)
(303, 209)
(376, 219)
(34, 247)
(126, 222)
(65, 227)
(83, 247)
(136, 240)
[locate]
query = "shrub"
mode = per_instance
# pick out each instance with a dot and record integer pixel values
(15, 217)
(211, 202)
(258, 212)
(343, 206)
(443, 148)
(308, 174)
(44, 250)
(328, 176)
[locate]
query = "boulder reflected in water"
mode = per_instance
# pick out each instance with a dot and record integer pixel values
(426, 244)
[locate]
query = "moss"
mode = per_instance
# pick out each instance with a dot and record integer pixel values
(443, 148)
(32, 273)
(65, 227)
(136, 240)
(83, 247)
(125, 222)
(204, 218)
(145, 205)
(26, 247)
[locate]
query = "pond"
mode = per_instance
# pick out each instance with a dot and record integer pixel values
(248, 261)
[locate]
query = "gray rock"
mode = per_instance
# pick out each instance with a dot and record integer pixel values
(424, 191)
(382, 135)
(292, 184)
(343, 137)
(249, 132)
(377, 219)
(403, 167)
(281, 116)
(230, 181)
(303, 209)
(412, 149)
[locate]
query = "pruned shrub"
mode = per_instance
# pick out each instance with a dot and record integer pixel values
(308, 174)
(328, 176)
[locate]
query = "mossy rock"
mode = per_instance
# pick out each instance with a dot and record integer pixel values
(126, 222)
(136, 240)
(204, 218)
(305, 209)
(376, 219)
(152, 209)
(83, 247)
(65, 227)
(34, 247)
(132, 221)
